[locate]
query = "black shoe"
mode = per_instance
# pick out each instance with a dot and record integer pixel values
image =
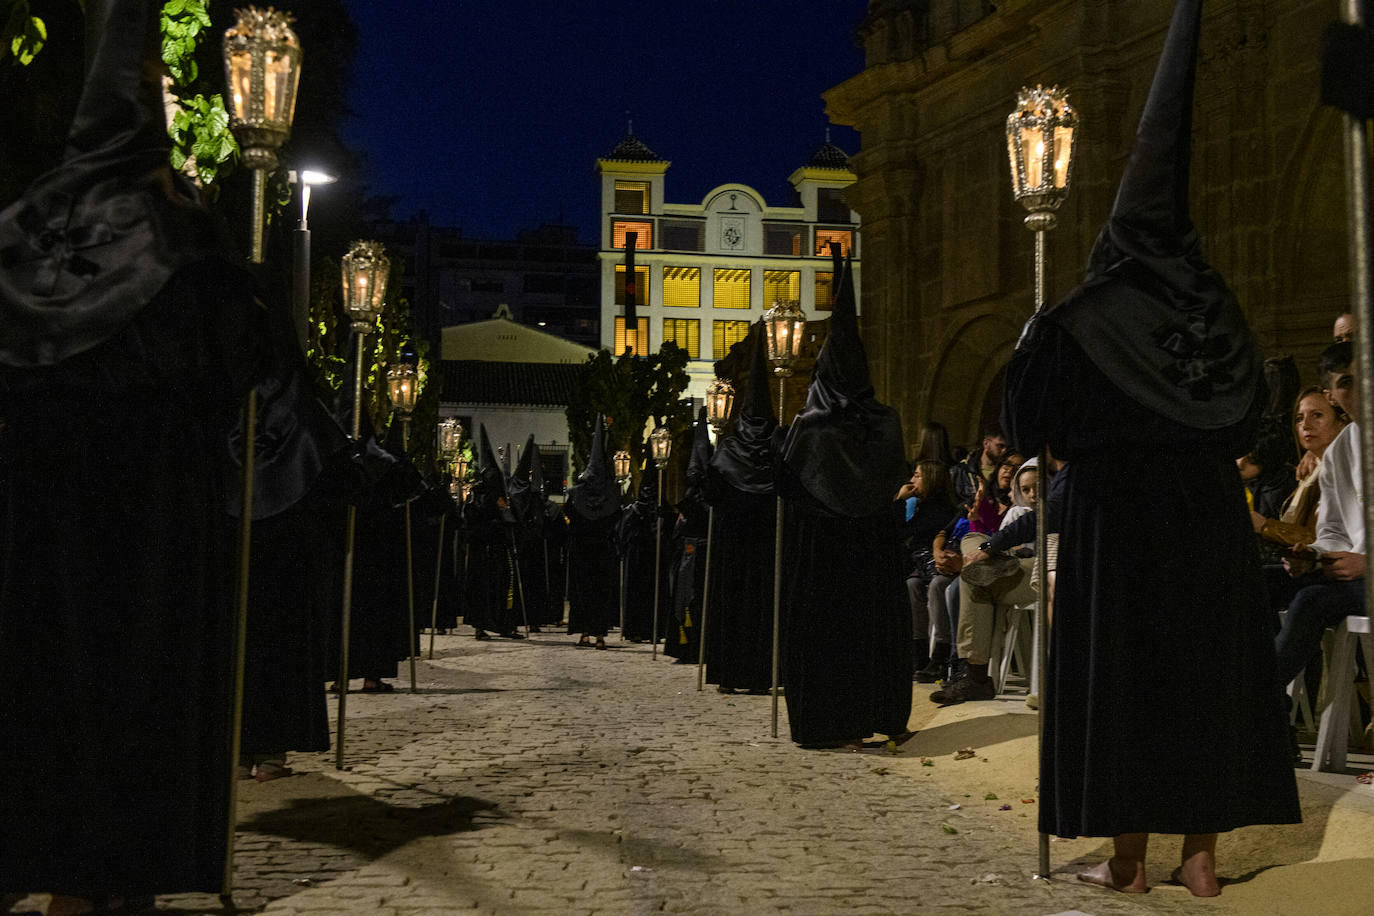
(965, 688)
(931, 672)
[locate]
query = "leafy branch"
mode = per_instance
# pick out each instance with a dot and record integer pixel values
(23, 35)
(203, 145)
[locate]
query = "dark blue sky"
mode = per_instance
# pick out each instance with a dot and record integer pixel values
(490, 114)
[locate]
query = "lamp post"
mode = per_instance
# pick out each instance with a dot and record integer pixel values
(1040, 140)
(720, 397)
(300, 275)
(661, 447)
(402, 387)
(621, 463)
(450, 438)
(782, 333)
(262, 66)
(365, 270)
(262, 61)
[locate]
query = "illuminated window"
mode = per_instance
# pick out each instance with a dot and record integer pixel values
(641, 288)
(844, 237)
(638, 345)
(783, 240)
(685, 332)
(683, 235)
(725, 334)
(825, 290)
(732, 288)
(645, 232)
(682, 287)
(830, 206)
(631, 196)
(781, 284)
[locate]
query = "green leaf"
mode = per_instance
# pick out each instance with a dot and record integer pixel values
(991, 796)
(948, 828)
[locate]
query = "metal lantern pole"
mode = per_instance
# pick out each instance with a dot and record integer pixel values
(720, 395)
(661, 443)
(782, 324)
(1040, 143)
(402, 385)
(300, 274)
(622, 474)
(450, 438)
(365, 270)
(262, 60)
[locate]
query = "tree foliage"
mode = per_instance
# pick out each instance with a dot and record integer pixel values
(629, 391)
(23, 34)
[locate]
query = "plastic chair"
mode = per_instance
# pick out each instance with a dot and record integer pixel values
(1333, 734)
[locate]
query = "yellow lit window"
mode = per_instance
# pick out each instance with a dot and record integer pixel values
(726, 334)
(682, 287)
(685, 332)
(644, 233)
(825, 290)
(631, 196)
(731, 288)
(638, 344)
(843, 237)
(781, 284)
(641, 289)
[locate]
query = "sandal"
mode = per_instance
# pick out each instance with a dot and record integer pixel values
(584, 642)
(601, 642)
(378, 687)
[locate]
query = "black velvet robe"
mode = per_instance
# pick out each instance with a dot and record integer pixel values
(593, 599)
(1163, 713)
(846, 666)
(636, 536)
(739, 619)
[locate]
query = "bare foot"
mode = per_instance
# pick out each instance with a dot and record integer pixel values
(1199, 875)
(1124, 875)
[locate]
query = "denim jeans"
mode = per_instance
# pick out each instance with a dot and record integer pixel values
(1313, 609)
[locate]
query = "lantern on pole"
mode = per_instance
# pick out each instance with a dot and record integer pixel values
(364, 270)
(720, 397)
(450, 437)
(661, 448)
(402, 387)
(450, 433)
(621, 462)
(262, 67)
(1040, 141)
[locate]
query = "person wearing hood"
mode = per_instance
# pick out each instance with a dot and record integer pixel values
(129, 338)
(847, 638)
(592, 509)
(527, 537)
(1163, 714)
(740, 487)
(636, 536)
(493, 605)
(687, 567)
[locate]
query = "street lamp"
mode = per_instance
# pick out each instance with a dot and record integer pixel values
(660, 447)
(1040, 140)
(720, 397)
(300, 276)
(364, 270)
(402, 388)
(782, 333)
(262, 66)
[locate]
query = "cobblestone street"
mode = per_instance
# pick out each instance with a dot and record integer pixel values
(535, 777)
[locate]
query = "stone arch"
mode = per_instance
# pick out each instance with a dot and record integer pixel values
(968, 364)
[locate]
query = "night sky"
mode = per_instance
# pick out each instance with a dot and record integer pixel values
(490, 114)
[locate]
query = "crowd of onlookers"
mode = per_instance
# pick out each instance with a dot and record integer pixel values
(969, 517)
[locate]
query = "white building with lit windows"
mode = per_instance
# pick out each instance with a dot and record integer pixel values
(706, 271)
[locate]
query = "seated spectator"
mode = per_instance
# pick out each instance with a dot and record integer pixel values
(929, 486)
(980, 465)
(942, 600)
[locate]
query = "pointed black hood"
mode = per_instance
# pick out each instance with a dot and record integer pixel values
(596, 494)
(844, 448)
(488, 470)
(526, 499)
(694, 498)
(744, 459)
(96, 237)
(1151, 313)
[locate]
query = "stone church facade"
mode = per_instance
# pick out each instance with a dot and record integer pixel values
(949, 265)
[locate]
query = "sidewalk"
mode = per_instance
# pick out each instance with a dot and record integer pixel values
(535, 777)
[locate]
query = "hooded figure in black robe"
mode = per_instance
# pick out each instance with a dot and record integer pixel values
(1162, 714)
(847, 656)
(128, 341)
(552, 544)
(492, 605)
(688, 568)
(739, 628)
(639, 531)
(527, 531)
(592, 509)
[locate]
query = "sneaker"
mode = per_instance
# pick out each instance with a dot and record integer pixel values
(965, 688)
